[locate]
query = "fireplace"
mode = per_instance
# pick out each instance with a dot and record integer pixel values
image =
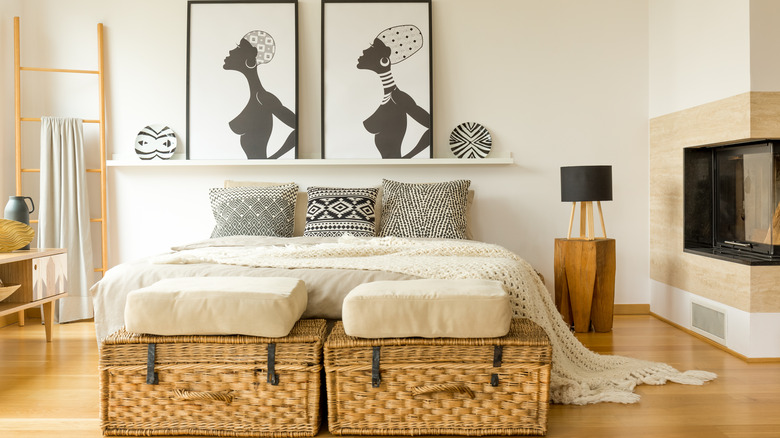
(732, 202)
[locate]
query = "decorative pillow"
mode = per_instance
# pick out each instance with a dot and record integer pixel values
(254, 211)
(300, 203)
(434, 210)
(232, 183)
(333, 212)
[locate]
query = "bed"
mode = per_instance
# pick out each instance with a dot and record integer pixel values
(331, 266)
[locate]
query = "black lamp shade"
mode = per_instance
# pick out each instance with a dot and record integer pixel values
(586, 183)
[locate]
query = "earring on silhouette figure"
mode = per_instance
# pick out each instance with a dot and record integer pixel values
(384, 62)
(247, 64)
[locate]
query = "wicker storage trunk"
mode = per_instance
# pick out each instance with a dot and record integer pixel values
(212, 385)
(417, 386)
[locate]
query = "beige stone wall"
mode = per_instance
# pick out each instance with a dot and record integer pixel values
(746, 116)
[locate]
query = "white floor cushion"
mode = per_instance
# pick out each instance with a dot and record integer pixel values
(427, 308)
(255, 306)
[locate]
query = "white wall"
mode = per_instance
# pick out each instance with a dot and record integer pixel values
(699, 52)
(557, 82)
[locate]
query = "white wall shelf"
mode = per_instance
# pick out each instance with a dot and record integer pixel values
(136, 162)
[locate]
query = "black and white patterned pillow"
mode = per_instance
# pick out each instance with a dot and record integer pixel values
(254, 211)
(434, 210)
(333, 212)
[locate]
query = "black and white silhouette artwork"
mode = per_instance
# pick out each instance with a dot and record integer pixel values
(255, 123)
(388, 123)
(242, 87)
(376, 79)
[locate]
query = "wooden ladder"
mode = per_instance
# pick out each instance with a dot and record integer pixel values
(101, 122)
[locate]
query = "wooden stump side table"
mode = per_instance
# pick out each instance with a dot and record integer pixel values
(585, 282)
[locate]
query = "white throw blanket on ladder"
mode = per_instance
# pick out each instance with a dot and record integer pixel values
(63, 218)
(579, 376)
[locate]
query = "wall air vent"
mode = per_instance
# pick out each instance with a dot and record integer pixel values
(708, 322)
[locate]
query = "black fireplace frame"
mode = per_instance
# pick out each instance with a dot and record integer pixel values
(700, 223)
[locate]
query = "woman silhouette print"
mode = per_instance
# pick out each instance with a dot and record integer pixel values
(388, 123)
(256, 121)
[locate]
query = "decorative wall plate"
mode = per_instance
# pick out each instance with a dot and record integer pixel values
(155, 141)
(470, 140)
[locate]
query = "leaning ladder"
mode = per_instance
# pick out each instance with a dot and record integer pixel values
(101, 123)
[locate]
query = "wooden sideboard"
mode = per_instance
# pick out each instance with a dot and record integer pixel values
(43, 276)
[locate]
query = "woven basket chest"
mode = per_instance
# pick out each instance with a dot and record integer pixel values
(442, 386)
(212, 385)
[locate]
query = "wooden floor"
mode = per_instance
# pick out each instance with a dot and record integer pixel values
(51, 389)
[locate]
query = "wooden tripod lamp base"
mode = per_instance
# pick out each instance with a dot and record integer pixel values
(586, 220)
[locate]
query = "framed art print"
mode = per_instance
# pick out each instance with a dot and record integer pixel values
(242, 79)
(376, 79)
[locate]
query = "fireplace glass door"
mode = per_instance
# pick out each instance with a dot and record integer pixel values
(731, 202)
(747, 208)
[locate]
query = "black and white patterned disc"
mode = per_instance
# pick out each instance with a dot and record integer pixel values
(155, 141)
(470, 140)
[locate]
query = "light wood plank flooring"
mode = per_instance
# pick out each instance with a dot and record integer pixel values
(51, 389)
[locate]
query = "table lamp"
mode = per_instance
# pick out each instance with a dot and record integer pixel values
(585, 184)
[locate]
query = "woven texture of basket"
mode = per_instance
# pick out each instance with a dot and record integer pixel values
(441, 386)
(212, 385)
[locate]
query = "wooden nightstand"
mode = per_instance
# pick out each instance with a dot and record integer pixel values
(43, 276)
(585, 282)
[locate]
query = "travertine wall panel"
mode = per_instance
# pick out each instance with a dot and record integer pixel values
(743, 117)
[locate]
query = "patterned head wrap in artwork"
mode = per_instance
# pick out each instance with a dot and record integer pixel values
(404, 41)
(264, 43)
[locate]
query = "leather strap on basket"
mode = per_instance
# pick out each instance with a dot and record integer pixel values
(184, 395)
(498, 357)
(444, 387)
(273, 378)
(151, 376)
(376, 378)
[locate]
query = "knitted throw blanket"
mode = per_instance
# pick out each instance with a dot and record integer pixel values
(579, 376)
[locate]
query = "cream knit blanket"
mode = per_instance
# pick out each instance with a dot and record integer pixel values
(579, 376)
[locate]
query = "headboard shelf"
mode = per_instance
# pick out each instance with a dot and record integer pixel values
(135, 162)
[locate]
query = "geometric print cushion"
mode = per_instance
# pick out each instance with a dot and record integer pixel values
(333, 212)
(431, 210)
(254, 211)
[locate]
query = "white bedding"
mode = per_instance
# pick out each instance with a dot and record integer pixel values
(327, 288)
(579, 376)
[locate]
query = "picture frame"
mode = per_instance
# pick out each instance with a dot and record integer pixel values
(377, 79)
(242, 79)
